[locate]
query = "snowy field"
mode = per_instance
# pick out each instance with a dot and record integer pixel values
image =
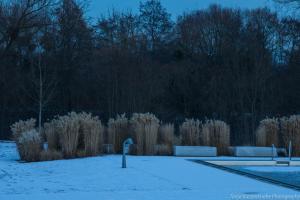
(103, 178)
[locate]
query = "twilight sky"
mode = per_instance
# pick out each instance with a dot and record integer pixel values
(175, 7)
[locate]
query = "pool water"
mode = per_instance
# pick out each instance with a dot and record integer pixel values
(285, 174)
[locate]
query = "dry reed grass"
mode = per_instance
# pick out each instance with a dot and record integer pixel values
(21, 127)
(51, 132)
(270, 129)
(177, 140)
(190, 132)
(163, 150)
(92, 130)
(118, 130)
(166, 137)
(68, 129)
(50, 155)
(216, 133)
(291, 132)
(17, 129)
(267, 132)
(145, 129)
(77, 132)
(30, 146)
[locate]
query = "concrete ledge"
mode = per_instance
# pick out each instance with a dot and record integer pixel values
(242, 163)
(250, 162)
(7, 141)
(250, 151)
(195, 151)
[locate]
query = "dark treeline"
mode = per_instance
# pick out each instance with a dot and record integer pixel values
(235, 65)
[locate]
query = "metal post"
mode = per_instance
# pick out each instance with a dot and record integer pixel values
(273, 148)
(124, 159)
(290, 150)
(126, 144)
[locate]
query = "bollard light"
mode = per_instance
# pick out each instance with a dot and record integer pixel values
(126, 145)
(273, 151)
(290, 150)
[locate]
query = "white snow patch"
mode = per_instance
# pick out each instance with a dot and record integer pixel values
(103, 178)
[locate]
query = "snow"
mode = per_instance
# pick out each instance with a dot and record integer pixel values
(103, 178)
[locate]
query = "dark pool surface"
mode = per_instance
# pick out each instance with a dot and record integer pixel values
(288, 175)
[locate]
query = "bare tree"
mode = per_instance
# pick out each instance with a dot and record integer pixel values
(17, 16)
(39, 85)
(17, 19)
(156, 22)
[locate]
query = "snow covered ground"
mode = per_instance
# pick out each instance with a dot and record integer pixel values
(103, 178)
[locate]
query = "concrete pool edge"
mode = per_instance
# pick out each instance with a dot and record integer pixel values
(246, 174)
(254, 162)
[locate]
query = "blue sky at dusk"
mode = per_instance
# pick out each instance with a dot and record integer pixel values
(175, 7)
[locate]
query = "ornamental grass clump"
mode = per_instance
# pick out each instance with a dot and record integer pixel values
(216, 133)
(118, 130)
(21, 127)
(162, 150)
(30, 145)
(145, 129)
(51, 132)
(190, 132)
(267, 132)
(291, 132)
(49, 155)
(92, 131)
(68, 132)
(280, 131)
(166, 139)
(77, 132)
(18, 129)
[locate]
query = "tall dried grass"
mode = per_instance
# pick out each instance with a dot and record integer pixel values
(92, 130)
(138, 129)
(48, 155)
(51, 132)
(118, 131)
(30, 146)
(163, 150)
(145, 128)
(77, 132)
(18, 128)
(21, 127)
(190, 132)
(291, 132)
(68, 129)
(267, 132)
(288, 128)
(178, 140)
(166, 137)
(216, 133)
